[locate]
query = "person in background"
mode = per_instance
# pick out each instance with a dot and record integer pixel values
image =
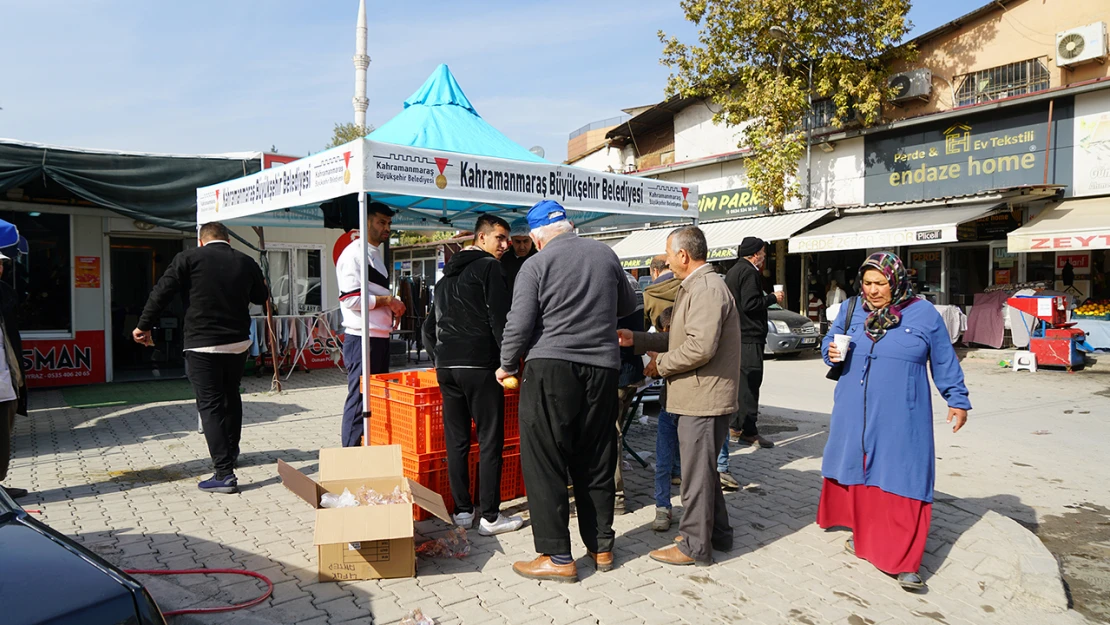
(814, 308)
(879, 462)
(463, 334)
(700, 360)
(631, 375)
(522, 250)
(744, 280)
(660, 294)
(836, 295)
(667, 457)
(13, 387)
(565, 308)
(385, 314)
(218, 285)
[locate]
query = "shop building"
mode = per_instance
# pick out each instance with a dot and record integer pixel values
(101, 228)
(995, 129)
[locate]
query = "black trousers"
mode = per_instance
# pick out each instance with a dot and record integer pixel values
(567, 416)
(351, 433)
(751, 378)
(473, 395)
(215, 379)
(7, 431)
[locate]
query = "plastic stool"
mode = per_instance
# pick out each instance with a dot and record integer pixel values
(1025, 360)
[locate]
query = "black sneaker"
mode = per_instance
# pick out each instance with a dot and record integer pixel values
(226, 485)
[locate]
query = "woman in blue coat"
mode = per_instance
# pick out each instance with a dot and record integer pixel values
(879, 460)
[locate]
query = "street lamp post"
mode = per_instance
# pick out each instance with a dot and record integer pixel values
(779, 33)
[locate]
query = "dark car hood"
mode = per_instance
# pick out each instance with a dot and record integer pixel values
(792, 319)
(43, 581)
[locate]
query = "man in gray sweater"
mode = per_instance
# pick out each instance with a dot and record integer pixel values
(566, 302)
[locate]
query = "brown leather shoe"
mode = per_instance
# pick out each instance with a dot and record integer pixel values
(671, 555)
(757, 439)
(542, 568)
(603, 561)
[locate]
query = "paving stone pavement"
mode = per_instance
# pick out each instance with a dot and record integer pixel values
(122, 481)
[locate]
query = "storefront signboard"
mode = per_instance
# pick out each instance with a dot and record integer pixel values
(1004, 259)
(1080, 263)
(1092, 144)
(965, 155)
(1002, 276)
(65, 362)
(86, 272)
(730, 204)
(990, 228)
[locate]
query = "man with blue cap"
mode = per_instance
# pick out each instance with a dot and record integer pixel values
(521, 250)
(563, 321)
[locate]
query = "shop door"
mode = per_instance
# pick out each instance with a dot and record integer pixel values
(969, 272)
(926, 267)
(137, 264)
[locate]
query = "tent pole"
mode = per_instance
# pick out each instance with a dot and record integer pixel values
(364, 258)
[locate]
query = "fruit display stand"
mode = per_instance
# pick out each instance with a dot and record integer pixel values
(1093, 317)
(406, 409)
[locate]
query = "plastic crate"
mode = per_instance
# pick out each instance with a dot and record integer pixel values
(512, 415)
(510, 471)
(430, 471)
(413, 388)
(406, 411)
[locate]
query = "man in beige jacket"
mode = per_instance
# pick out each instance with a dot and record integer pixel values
(700, 359)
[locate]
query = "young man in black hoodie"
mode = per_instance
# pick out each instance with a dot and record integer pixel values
(463, 336)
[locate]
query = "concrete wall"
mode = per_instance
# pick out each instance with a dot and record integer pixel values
(1024, 30)
(837, 176)
(697, 136)
(605, 159)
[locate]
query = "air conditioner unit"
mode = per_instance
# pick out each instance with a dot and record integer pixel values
(916, 84)
(629, 168)
(1081, 45)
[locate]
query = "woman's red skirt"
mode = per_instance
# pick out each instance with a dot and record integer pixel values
(889, 530)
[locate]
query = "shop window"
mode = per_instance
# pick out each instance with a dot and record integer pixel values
(42, 278)
(1004, 81)
(296, 278)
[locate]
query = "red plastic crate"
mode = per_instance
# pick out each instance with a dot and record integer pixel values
(510, 471)
(406, 410)
(430, 471)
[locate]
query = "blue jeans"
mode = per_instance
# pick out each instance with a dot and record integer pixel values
(666, 457)
(722, 458)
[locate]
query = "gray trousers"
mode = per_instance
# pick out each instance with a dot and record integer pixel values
(704, 522)
(7, 424)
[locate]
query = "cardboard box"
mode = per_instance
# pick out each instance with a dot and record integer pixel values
(363, 542)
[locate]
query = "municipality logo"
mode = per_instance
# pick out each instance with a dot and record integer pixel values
(217, 200)
(685, 204)
(346, 168)
(441, 180)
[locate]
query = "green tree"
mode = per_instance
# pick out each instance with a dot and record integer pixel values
(760, 82)
(345, 133)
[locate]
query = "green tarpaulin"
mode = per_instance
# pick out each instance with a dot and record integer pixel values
(155, 188)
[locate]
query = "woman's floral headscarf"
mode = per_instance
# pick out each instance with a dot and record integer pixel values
(901, 293)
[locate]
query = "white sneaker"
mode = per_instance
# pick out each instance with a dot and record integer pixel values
(464, 520)
(500, 526)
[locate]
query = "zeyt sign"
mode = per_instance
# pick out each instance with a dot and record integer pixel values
(965, 155)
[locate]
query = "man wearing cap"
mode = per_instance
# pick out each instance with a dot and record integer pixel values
(522, 249)
(385, 313)
(745, 281)
(564, 316)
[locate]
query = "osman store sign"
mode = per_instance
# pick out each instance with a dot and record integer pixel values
(967, 155)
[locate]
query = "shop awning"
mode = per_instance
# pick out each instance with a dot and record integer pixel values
(724, 237)
(1071, 225)
(891, 228)
(637, 249)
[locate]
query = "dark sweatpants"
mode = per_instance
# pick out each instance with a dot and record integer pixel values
(473, 395)
(704, 515)
(567, 412)
(751, 378)
(215, 379)
(352, 359)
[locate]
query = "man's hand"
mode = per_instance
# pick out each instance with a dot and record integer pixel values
(501, 375)
(780, 296)
(960, 415)
(142, 338)
(397, 306)
(624, 337)
(652, 369)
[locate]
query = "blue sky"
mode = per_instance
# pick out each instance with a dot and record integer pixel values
(210, 76)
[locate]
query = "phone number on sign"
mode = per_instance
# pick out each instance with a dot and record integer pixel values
(59, 375)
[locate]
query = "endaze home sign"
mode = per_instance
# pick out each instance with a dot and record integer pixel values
(963, 156)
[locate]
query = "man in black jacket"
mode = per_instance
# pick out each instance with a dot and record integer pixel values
(463, 336)
(218, 285)
(522, 249)
(745, 280)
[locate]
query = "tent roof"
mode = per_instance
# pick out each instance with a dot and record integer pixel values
(440, 117)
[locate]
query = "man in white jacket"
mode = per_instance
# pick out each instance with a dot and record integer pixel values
(385, 311)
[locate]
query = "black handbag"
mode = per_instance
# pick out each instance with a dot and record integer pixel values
(837, 368)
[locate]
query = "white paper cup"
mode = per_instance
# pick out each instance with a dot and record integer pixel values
(778, 288)
(841, 341)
